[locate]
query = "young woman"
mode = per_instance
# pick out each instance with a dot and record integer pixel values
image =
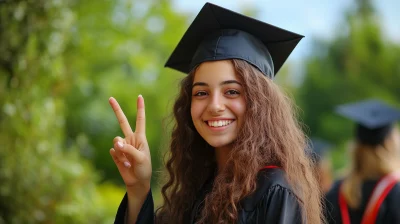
(237, 151)
(370, 193)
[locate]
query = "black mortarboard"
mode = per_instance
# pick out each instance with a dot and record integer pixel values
(374, 119)
(218, 34)
(318, 148)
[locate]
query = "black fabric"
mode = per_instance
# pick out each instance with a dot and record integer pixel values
(273, 202)
(146, 214)
(374, 136)
(389, 211)
(231, 43)
(374, 119)
(263, 45)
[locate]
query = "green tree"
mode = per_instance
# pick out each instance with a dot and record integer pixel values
(42, 180)
(359, 63)
(118, 49)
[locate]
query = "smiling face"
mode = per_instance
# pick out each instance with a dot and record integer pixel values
(218, 104)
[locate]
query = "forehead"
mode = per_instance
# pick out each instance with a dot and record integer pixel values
(215, 71)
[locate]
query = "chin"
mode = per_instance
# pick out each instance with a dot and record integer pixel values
(219, 143)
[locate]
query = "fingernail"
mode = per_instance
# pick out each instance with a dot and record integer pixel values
(140, 95)
(120, 144)
(127, 164)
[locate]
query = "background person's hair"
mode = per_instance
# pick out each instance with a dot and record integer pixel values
(385, 159)
(270, 135)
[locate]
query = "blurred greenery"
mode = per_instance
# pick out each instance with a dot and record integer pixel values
(60, 61)
(121, 56)
(359, 63)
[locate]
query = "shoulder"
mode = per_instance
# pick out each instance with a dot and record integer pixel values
(272, 178)
(392, 205)
(396, 189)
(272, 185)
(394, 195)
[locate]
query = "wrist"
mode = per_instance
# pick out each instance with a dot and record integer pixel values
(138, 189)
(137, 195)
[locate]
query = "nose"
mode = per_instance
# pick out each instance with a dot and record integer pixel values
(217, 104)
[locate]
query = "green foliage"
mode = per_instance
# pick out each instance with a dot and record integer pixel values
(59, 63)
(358, 63)
(118, 50)
(42, 179)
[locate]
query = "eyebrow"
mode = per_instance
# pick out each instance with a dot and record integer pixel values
(222, 83)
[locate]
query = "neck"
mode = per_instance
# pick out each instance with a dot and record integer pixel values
(221, 156)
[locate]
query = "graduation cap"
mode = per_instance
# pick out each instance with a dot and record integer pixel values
(374, 119)
(319, 148)
(219, 34)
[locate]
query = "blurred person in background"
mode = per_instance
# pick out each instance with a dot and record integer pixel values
(237, 150)
(370, 193)
(319, 153)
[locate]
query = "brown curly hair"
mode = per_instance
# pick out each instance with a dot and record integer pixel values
(278, 140)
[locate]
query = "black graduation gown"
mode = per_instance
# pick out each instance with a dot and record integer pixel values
(389, 211)
(272, 202)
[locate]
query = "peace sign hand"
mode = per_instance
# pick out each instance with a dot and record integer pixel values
(132, 154)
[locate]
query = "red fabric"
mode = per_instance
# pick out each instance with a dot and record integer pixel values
(343, 208)
(385, 184)
(269, 167)
(372, 213)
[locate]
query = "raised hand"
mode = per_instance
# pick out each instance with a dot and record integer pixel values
(132, 154)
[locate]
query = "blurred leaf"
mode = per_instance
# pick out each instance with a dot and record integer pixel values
(357, 64)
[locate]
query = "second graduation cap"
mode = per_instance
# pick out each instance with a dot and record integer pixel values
(374, 118)
(218, 34)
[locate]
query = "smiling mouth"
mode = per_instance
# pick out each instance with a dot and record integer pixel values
(220, 123)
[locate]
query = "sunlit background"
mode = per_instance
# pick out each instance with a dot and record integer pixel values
(60, 61)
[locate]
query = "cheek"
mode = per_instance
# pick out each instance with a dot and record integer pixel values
(195, 109)
(238, 108)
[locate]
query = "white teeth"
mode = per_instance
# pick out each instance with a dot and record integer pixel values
(219, 123)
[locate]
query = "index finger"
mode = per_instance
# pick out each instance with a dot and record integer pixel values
(140, 117)
(122, 120)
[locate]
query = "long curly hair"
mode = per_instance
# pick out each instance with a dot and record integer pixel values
(270, 134)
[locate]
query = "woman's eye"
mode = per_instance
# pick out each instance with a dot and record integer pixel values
(200, 93)
(232, 92)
